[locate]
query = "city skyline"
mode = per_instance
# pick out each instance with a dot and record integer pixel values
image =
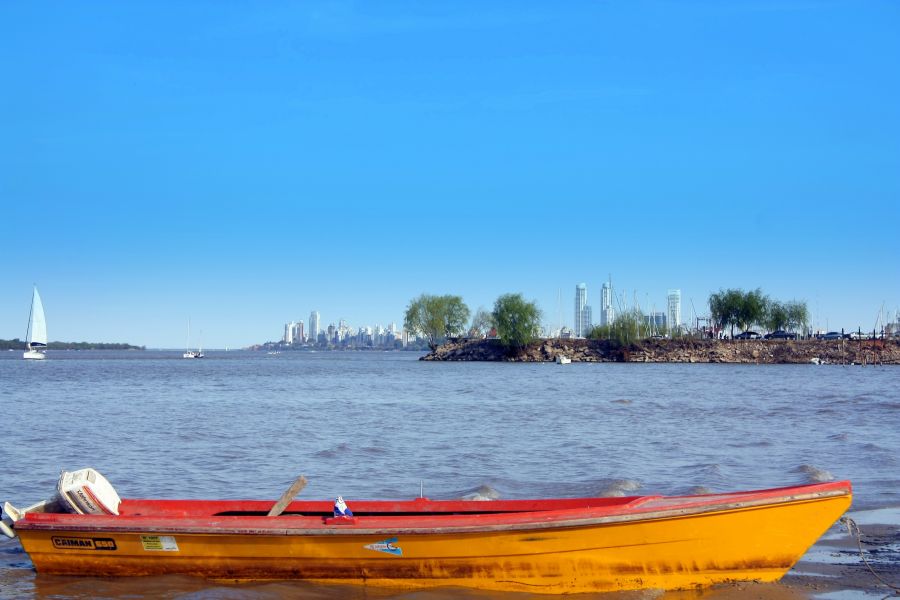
(232, 165)
(551, 322)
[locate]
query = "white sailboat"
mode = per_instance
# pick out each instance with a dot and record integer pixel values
(188, 353)
(36, 336)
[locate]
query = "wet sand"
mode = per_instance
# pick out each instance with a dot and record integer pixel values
(833, 568)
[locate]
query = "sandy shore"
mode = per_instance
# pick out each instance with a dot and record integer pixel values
(834, 564)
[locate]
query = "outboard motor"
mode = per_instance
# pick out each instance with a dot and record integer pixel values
(87, 492)
(83, 492)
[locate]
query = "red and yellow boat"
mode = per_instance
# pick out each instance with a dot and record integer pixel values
(545, 546)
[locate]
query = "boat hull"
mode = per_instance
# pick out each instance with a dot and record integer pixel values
(33, 355)
(666, 549)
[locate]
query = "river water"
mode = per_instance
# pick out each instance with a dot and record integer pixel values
(385, 425)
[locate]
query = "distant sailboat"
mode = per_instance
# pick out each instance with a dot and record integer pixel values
(36, 336)
(188, 353)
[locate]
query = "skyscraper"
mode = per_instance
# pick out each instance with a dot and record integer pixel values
(288, 337)
(582, 311)
(314, 326)
(673, 314)
(607, 316)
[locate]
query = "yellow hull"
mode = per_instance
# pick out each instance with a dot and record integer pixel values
(656, 550)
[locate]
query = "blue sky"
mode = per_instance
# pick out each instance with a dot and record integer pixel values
(244, 163)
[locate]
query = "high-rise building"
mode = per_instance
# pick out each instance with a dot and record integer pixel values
(582, 311)
(656, 321)
(607, 316)
(314, 326)
(299, 333)
(288, 337)
(673, 314)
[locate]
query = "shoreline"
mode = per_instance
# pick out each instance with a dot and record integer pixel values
(831, 568)
(685, 350)
(833, 564)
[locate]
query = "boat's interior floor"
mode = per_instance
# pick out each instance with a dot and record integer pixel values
(426, 507)
(422, 512)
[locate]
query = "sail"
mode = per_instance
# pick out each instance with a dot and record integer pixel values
(37, 326)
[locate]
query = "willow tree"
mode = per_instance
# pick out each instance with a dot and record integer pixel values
(518, 321)
(724, 306)
(798, 315)
(482, 323)
(752, 309)
(738, 308)
(777, 316)
(436, 317)
(791, 316)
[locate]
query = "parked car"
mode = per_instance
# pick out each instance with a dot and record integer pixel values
(864, 335)
(781, 335)
(747, 335)
(831, 335)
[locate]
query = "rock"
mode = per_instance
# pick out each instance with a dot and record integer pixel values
(679, 351)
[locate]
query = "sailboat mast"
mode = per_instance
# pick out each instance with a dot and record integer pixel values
(559, 312)
(30, 316)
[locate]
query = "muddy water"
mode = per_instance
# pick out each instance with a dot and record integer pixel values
(384, 425)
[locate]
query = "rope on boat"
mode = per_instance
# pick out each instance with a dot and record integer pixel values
(853, 530)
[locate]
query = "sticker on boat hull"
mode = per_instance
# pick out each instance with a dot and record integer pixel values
(387, 546)
(79, 543)
(156, 543)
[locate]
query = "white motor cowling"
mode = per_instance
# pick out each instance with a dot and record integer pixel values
(86, 491)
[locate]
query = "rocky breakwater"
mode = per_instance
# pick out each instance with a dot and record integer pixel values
(685, 350)
(538, 351)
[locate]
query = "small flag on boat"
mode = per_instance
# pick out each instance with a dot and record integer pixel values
(341, 509)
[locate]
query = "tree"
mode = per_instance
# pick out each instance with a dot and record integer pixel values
(752, 308)
(777, 316)
(518, 322)
(482, 323)
(797, 315)
(736, 307)
(436, 317)
(724, 307)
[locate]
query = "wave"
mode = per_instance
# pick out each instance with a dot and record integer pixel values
(332, 452)
(481, 493)
(813, 474)
(750, 443)
(618, 487)
(888, 404)
(706, 468)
